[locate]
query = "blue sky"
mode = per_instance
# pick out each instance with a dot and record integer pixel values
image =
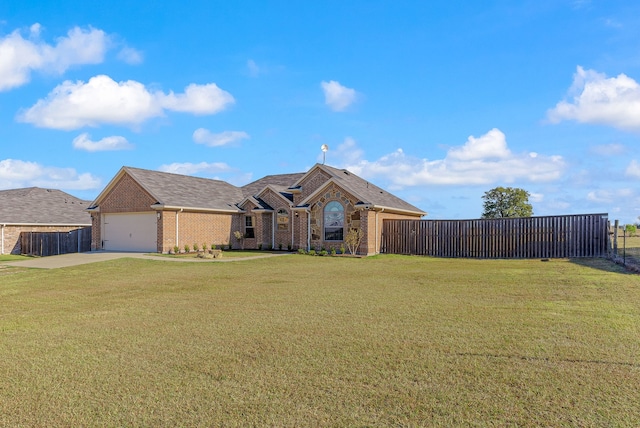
(436, 101)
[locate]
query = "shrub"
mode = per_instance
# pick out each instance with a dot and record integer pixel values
(213, 246)
(187, 249)
(260, 246)
(195, 247)
(631, 229)
(312, 252)
(301, 251)
(176, 249)
(353, 239)
(342, 250)
(333, 251)
(324, 252)
(289, 247)
(280, 246)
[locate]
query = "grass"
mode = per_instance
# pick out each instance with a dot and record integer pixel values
(321, 341)
(630, 245)
(225, 254)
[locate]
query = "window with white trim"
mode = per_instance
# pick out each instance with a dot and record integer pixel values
(249, 226)
(334, 221)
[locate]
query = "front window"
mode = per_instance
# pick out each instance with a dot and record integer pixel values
(333, 221)
(249, 227)
(283, 219)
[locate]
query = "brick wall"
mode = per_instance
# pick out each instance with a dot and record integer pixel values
(194, 228)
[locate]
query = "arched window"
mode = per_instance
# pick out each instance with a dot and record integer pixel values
(334, 221)
(283, 219)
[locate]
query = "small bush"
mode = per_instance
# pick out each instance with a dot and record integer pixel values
(312, 252)
(333, 251)
(260, 246)
(301, 251)
(176, 249)
(187, 248)
(342, 249)
(324, 253)
(195, 247)
(213, 246)
(289, 247)
(631, 229)
(280, 246)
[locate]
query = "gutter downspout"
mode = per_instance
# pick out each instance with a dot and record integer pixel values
(308, 230)
(177, 234)
(2, 239)
(377, 249)
(292, 222)
(273, 230)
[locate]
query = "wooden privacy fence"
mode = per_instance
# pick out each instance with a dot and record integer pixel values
(583, 235)
(54, 243)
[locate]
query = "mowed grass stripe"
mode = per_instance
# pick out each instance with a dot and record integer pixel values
(321, 341)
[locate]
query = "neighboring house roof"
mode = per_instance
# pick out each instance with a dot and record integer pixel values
(181, 191)
(34, 205)
(369, 194)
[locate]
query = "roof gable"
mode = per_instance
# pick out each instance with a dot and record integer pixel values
(180, 191)
(35, 205)
(368, 193)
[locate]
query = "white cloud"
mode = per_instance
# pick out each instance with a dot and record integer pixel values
(206, 137)
(253, 68)
(198, 99)
(20, 56)
(597, 99)
(609, 196)
(348, 152)
(195, 168)
(130, 56)
(102, 100)
(336, 96)
(84, 142)
(612, 149)
(633, 170)
(17, 174)
(482, 160)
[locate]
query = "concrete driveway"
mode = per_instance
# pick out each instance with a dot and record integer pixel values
(74, 259)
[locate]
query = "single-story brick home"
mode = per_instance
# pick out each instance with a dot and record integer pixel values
(143, 210)
(34, 209)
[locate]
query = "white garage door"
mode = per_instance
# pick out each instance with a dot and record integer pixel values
(130, 232)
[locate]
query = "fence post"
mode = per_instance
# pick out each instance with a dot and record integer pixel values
(616, 223)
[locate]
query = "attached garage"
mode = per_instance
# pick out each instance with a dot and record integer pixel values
(130, 232)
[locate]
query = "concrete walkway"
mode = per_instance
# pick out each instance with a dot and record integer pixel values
(74, 259)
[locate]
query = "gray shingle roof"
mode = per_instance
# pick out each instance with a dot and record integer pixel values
(34, 205)
(280, 182)
(368, 192)
(185, 191)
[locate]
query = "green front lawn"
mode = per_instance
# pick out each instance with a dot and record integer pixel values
(321, 341)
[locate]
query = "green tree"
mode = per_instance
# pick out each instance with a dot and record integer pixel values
(502, 202)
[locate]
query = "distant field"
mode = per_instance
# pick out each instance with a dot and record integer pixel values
(321, 341)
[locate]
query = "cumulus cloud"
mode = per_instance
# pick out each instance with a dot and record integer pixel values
(482, 160)
(336, 96)
(17, 173)
(20, 56)
(84, 142)
(206, 137)
(253, 68)
(609, 196)
(188, 168)
(101, 100)
(597, 99)
(633, 170)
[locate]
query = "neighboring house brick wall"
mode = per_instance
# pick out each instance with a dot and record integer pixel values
(96, 231)
(12, 243)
